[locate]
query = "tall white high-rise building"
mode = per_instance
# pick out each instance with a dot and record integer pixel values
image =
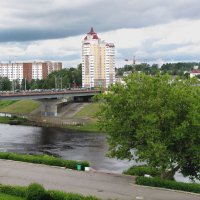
(98, 61)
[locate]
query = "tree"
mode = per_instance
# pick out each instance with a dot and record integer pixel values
(158, 119)
(5, 84)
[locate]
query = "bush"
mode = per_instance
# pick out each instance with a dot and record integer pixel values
(16, 191)
(43, 159)
(156, 182)
(57, 195)
(36, 192)
(142, 170)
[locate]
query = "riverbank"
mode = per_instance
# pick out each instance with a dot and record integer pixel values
(91, 127)
(82, 120)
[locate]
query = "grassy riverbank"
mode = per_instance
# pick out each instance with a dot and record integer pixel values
(88, 112)
(18, 107)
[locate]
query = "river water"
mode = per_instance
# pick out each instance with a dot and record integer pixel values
(60, 142)
(65, 144)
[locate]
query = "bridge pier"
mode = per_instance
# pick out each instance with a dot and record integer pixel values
(49, 107)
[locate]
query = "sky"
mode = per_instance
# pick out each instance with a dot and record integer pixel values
(153, 31)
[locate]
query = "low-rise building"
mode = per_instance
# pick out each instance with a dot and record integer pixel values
(194, 72)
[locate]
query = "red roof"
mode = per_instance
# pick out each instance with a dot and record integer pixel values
(91, 31)
(95, 37)
(195, 71)
(85, 38)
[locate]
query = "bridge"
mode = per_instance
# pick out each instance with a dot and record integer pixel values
(50, 99)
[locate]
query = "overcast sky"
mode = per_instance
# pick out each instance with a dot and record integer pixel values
(151, 30)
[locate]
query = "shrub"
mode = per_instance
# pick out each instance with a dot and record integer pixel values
(36, 192)
(142, 170)
(156, 182)
(57, 195)
(16, 191)
(43, 159)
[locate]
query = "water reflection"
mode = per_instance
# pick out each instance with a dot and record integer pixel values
(59, 142)
(65, 144)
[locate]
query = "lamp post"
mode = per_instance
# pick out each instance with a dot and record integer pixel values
(55, 82)
(25, 85)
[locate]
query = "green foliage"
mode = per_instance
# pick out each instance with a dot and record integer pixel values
(57, 195)
(65, 78)
(36, 192)
(43, 159)
(10, 197)
(156, 182)
(142, 170)
(169, 68)
(15, 191)
(159, 118)
(5, 84)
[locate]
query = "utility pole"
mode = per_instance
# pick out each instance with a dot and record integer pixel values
(25, 85)
(55, 83)
(13, 86)
(133, 63)
(61, 82)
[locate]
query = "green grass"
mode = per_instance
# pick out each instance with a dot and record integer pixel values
(89, 111)
(4, 104)
(89, 127)
(44, 159)
(19, 107)
(5, 120)
(13, 120)
(9, 197)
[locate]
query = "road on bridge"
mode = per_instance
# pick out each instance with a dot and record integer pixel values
(105, 186)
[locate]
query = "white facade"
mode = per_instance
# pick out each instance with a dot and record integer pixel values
(37, 70)
(29, 70)
(14, 71)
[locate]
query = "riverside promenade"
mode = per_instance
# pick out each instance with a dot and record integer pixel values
(102, 185)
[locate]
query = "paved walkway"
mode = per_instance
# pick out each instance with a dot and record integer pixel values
(105, 186)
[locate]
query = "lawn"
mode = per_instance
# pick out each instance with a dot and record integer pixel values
(9, 197)
(4, 104)
(19, 107)
(89, 111)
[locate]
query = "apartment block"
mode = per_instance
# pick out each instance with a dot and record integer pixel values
(28, 70)
(98, 61)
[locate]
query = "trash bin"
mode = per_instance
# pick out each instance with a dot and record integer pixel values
(78, 167)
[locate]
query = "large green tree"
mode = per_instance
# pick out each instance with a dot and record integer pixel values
(154, 119)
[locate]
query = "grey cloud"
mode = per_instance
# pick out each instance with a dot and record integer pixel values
(40, 19)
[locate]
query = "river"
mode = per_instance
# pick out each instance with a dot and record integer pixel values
(60, 142)
(65, 144)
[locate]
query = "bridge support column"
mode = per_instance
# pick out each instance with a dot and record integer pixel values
(49, 107)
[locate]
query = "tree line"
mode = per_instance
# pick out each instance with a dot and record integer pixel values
(175, 69)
